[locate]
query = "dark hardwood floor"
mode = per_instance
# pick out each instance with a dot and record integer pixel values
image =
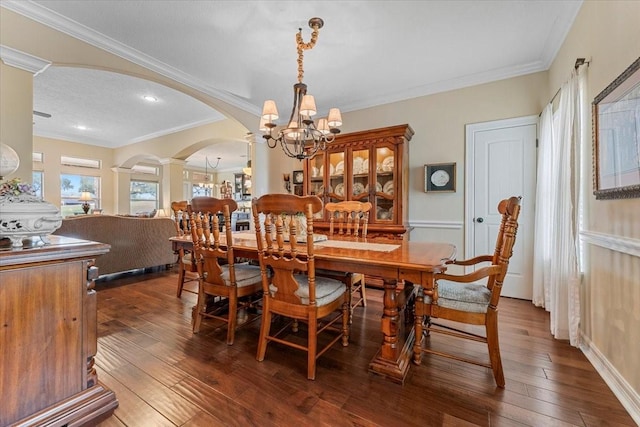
(164, 375)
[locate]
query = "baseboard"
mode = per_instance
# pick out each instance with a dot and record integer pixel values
(627, 396)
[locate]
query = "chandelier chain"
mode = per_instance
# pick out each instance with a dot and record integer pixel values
(302, 46)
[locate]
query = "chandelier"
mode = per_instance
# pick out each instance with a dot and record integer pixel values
(302, 138)
(207, 181)
(247, 170)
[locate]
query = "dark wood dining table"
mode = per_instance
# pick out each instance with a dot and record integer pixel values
(400, 264)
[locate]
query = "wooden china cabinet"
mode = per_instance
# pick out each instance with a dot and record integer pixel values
(367, 166)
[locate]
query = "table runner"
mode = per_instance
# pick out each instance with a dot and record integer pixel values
(343, 244)
(301, 238)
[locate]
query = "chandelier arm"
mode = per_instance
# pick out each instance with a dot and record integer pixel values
(270, 140)
(299, 90)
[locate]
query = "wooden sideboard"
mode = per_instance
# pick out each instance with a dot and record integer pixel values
(48, 335)
(368, 166)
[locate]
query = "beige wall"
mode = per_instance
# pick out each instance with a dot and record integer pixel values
(16, 112)
(608, 34)
(439, 123)
(114, 181)
(53, 149)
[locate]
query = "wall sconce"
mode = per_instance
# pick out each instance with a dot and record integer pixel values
(287, 182)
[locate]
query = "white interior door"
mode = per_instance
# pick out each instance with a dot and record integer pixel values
(501, 162)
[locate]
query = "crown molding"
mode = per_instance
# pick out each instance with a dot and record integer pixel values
(23, 61)
(67, 26)
(449, 85)
(175, 129)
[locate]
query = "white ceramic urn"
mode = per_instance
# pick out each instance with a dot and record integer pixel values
(24, 215)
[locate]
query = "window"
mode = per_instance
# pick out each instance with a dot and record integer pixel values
(79, 162)
(201, 190)
(144, 197)
(36, 183)
(72, 186)
(149, 170)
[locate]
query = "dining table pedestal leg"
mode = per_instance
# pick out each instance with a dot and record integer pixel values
(393, 358)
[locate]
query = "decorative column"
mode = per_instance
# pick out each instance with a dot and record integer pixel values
(16, 105)
(172, 182)
(122, 190)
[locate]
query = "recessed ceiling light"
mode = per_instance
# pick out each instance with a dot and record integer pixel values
(81, 127)
(150, 98)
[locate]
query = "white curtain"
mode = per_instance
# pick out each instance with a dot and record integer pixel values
(556, 275)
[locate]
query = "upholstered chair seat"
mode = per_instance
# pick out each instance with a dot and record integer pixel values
(469, 297)
(327, 290)
(246, 274)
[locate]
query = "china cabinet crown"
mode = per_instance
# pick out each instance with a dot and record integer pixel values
(367, 166)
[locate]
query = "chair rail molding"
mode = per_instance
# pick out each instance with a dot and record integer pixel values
(455, 225)
(626, 245)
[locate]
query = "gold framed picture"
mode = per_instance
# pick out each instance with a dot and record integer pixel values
(616, 137)
(440, 178)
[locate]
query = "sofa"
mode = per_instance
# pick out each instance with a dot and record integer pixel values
(136, 242)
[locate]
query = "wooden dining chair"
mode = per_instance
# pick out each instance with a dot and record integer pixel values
(186, 267)
(293, 290)
(234, 285)
(462, 299)
(349, 220)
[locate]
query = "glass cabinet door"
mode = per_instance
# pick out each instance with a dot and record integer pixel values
(316, 173)
(316, 176)
(336, 189)
(360, 188)
(385, 184)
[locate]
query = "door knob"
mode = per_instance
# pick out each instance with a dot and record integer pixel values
(480, 219)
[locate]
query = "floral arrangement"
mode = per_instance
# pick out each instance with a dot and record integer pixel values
(15, 187)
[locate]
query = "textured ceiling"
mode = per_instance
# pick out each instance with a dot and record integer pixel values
(243, 52)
